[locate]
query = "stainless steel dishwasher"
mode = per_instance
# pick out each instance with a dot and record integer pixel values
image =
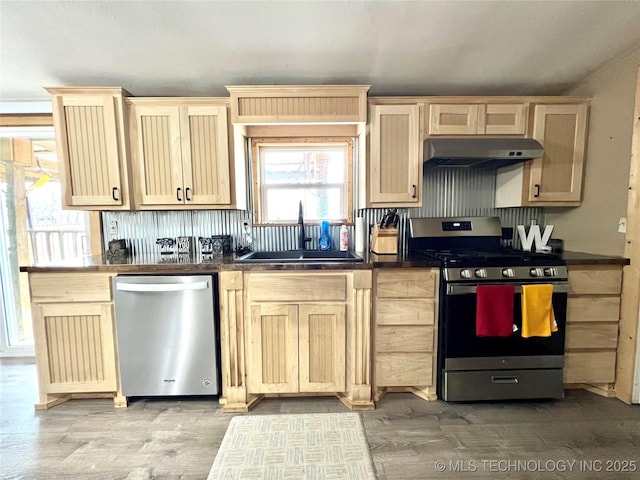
(167, 343)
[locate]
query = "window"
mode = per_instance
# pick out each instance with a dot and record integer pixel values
(314, 171)
(34, 228)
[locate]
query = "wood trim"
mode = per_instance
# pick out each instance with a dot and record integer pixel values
(179, 101)
(328, 130)
(359, 344)
(87, 91)
(627, 362)
(398, 100)
(232, 328)
(95, 233)
(26, 120)
(284, 115)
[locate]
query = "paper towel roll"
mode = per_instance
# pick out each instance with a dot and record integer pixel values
(360, 234)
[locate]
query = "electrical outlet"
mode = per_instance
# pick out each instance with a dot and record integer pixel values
(622, 225)
(113, 228)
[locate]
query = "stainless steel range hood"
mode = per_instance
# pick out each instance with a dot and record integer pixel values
(479, 151)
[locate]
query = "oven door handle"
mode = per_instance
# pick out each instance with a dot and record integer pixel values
(456, 289)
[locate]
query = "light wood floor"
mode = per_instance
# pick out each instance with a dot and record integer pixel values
(179, 438)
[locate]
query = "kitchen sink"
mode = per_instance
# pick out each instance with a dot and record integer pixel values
(299, 256)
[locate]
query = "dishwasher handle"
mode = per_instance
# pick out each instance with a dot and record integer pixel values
(161, 287)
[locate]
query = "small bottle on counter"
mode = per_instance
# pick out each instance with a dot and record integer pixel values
(325, 240)
(344, 238)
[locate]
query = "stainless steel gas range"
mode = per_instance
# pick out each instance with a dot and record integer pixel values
(473, 367)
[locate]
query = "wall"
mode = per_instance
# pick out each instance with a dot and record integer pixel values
(593, 227)
(447, 192)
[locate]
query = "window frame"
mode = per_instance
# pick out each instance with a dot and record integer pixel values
(259, 189)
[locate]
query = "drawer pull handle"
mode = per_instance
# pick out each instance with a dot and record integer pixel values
(505, 380)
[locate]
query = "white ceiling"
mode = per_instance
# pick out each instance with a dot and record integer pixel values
(156, 48)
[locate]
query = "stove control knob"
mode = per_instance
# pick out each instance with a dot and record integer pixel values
(550, 272)
(536, 272)
(465, 273)
(508, 272)
(481, 273)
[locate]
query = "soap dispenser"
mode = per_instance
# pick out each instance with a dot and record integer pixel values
(325, 239)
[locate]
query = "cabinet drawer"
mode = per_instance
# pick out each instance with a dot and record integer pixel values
(270, 287)
(596, 280)
(408, 311)
(70, 287)
(593, 309)
(603, 335)
(590, 367)
(396, 283)
(404, 339)
(404, 369)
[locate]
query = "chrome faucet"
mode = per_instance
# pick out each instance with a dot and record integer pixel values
(302, 238)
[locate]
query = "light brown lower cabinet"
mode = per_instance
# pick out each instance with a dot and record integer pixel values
(405, 331)
(74, 335)
(297, 348)
(304, 333)
(593, 312)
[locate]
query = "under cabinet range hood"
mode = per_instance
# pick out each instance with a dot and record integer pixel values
(479, 151)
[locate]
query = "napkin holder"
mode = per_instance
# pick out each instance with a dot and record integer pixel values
(384, 240)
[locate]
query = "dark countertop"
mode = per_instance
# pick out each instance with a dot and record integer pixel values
(196, 263)
(578, 258)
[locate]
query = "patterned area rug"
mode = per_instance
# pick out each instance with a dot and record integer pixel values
(316, 446)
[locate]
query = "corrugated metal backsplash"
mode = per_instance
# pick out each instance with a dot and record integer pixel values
(447, 192)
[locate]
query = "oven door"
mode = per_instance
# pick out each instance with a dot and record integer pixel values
(483, 368)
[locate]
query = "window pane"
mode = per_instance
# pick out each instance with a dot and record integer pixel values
(282, 204)
(318, 204)
(308, 166)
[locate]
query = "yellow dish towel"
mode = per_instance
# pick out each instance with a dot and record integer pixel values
(537, 311)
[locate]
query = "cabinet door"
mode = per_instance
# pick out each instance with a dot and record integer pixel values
(447, 119)
(562, 130)
(396, 161)
(88, 146)
(158, 155)
(322, 348)
(205, 154)
(75, 350)
(510, 119)
(273, 362)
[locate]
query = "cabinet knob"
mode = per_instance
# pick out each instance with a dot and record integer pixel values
(114, 194)
(178, 194)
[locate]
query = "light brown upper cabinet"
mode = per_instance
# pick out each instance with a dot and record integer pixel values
(556, 178)
(477, 119)
(181, 153)
(395, 166)
(92, 147)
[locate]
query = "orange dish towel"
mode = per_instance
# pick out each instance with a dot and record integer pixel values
(537, 311)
